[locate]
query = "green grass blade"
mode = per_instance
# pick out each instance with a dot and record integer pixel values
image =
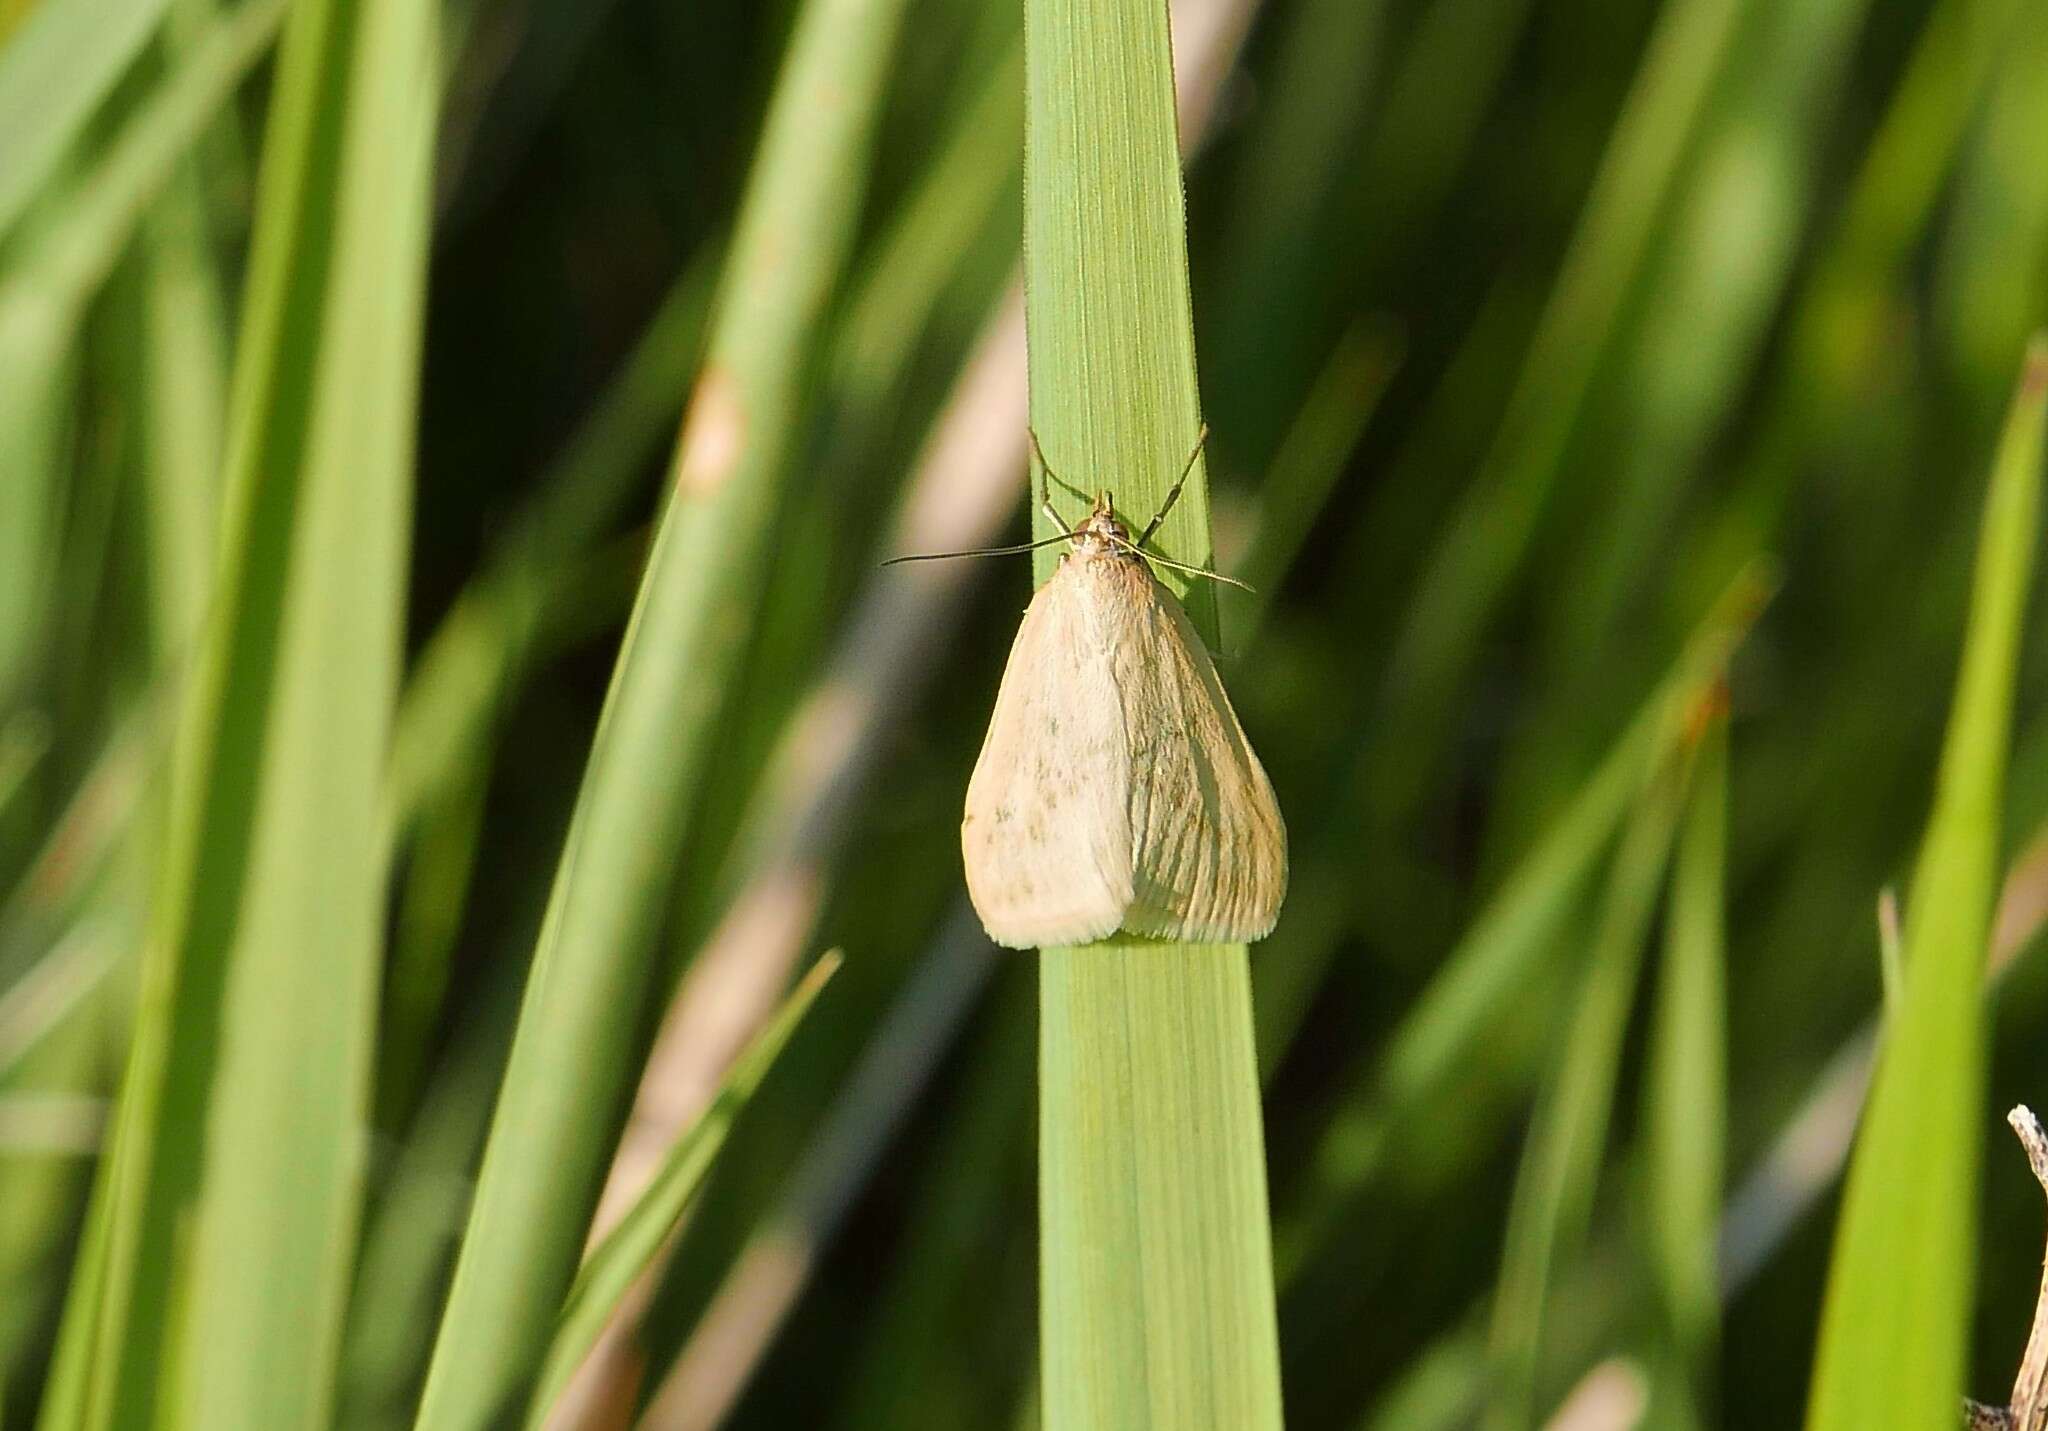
(1897, 1317)
(508, 619)
(24, 740)
(1156, 1300)
(186, 337)
(62, 261)
(1560, 1169)
(44, 287)
(1156, 1305)
(48, 1131)
(553, 1126)
(1707, 300)
(904, 278)
(616, 1263)
(38, 375)
(1500, 953)
(409, 1238)
(2001, 208)
(60, 983)
(248, 1076)
(1485, 968)
(71, 863)
(1491, 530)
(54, 72)
(460, 680)
(1839, 327)
(1686, 1096)
(1306, 467)
(1891, 961)
(185, 357)
(274, 1245)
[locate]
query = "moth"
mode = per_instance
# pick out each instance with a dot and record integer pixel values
(1116, 790)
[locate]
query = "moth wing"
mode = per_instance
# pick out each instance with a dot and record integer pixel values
(1209, 850)
(1046, 837)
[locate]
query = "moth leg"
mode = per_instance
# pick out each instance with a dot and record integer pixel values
(1173, 493)
(1045, 475)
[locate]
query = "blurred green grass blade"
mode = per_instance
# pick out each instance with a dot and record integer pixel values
(410, 1235)
(50, 274)
(617, 1262)
(1501, 952)
(433, 891)
(1490, 531)
(34, 1006)
(68, 1385)
(40, 1185)
(1718, 276)
(1443, 1386)
(972, 1186)
(1438, 1391)
(1438, 93)
(461, 678)
(1840, 327)
(590, 484)
(1560, 1169)
(1897, 1317)
(1533, 906)
(1156, 1289)
(1507, 950)
(1310, 460)
(337, 293)
(903, 281)
(1156, 1300)
(1726, 262)
(1891, 961)
(1686, 1097)
(63, 258)
(508, 617)
(1325, 74)
(2000, 210)
(184, 351)
(1441, 78)
(186, 361)
(553, 1127)
(82, 839)
(252, 1041)
(851, 1140)
(24, 740)
(38, 376)
(54, 72)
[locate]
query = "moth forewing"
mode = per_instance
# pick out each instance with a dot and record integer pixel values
(1116, 789)
(1208, 848)
(1043, 840)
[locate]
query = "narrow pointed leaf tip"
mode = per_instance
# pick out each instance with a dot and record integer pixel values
(630, 1250)
(1896, 1323)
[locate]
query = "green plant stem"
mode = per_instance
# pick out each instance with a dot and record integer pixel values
(577, 1037)
(1896, 1322)
(1156, 1304)
(1686, 1095)
(1554, 1187)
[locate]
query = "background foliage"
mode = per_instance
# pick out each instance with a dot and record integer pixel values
(1562, 357)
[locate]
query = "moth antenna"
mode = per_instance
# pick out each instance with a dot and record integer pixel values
(1183, 566)
(980, 551)
(1173, 492)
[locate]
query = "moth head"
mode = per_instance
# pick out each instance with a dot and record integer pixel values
(1100, 534)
